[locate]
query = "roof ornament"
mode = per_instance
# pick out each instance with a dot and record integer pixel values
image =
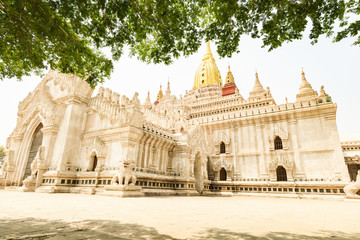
(208, 52)
(147, 103)
(160, 94)
(306, 92)
(168, 91)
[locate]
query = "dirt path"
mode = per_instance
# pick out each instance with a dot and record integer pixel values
(64, 216)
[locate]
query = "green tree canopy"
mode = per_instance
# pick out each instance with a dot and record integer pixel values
(68, 35)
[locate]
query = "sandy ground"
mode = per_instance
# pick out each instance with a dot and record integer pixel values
(76, 216)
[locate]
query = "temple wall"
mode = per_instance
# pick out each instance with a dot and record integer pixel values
(310, 143)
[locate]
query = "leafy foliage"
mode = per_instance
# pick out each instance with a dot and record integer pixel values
(69, 34)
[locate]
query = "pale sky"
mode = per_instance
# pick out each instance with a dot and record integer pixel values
(334, 65)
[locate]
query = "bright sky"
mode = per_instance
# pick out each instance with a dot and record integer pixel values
(334, 65)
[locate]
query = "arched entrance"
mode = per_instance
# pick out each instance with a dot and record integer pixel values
(95, 161)
(281, 174)
(36, 143)
(199, 185)
(223, 174)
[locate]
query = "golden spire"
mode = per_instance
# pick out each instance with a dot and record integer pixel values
(208, 53)
(207, 73)
(229, 77)
(160, 94)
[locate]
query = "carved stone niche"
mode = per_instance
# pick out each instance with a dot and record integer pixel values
(219, 138)
(218, 165)
(284, 161)
(278, 131)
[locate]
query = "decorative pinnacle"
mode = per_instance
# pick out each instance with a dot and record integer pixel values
(168, 92)
(208, 52)
(303, 75)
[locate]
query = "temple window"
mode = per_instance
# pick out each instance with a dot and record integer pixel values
(222, 147)
(281, 173)
(278, 143)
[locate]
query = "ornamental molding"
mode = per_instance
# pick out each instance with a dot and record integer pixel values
(281, 131)
(221, 163)
(97, 148)
(278, 130)
(221, 136)
(121, 111)
(281, 160)
(196, 141)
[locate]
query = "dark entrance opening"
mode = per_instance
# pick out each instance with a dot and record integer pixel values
(222, 147)
(223, 174)
(94, 163)
(353, 171)
(36, 143)
(281, 173)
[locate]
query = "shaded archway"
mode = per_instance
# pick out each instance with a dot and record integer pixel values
(199, 185)
(281, 174)
(223, 174)
(94, 163)
(35, 144)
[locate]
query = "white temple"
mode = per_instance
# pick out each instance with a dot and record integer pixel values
(211, 141)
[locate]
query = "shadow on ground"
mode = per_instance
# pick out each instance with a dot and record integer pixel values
(30, 228)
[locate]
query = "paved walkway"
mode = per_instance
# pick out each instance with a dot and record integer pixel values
(76, 216)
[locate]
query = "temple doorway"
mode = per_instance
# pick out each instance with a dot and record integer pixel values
(36, 143)
(281, 173)
(223, 174)
(95, 161)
